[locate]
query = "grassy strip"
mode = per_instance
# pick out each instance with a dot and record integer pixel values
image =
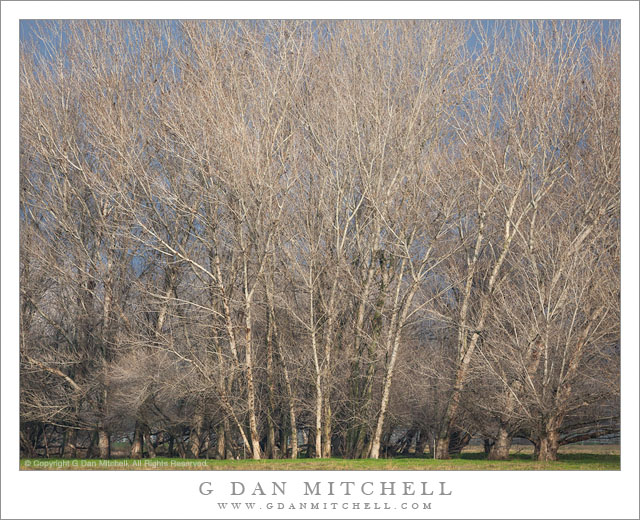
(466, 462)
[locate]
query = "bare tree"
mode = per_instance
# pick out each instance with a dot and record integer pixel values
(266, 238)
(518, 131)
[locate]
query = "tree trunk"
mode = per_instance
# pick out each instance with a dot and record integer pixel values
(221, 439)
(93, 440)
(171, 448)
(318, 379)
(548, 446)
(287, 382)
(28, 446)
(195, 437)
(326, 430)
(270, 451)
(70, 444)
(500, 448)
(466, 345)
(318, 425)
(444, 436)
(442, 447)
(136, 447)
(397, 322)
(398, 319)
(205, 443)
(488, 443)
(359, 444)
(251, 397)
(309, 439)
(356, 435)
(294, 432)
(179, 443)
(46, 442)
(104, 444)
(146, 435)
(328, 343)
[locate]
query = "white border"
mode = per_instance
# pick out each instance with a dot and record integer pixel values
(174, 494)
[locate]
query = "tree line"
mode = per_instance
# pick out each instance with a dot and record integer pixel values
(304, 238)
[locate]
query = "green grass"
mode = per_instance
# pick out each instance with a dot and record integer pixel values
(466, 462)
